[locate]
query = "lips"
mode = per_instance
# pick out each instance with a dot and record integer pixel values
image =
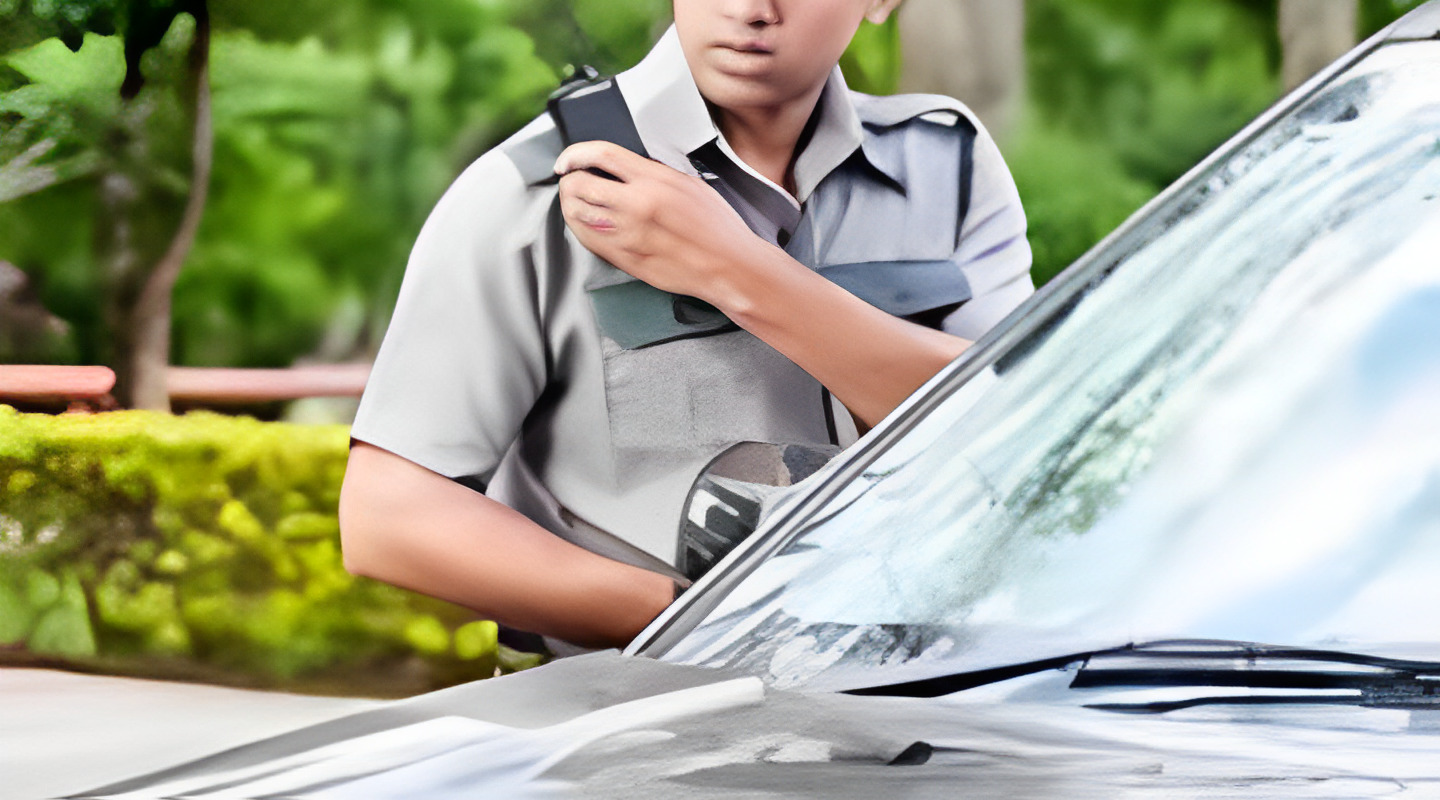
(742, 58)
(747, 46)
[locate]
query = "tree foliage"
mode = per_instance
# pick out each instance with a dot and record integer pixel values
(332, 143)
(1126, 95)
(336, 129)
(337, 126)
(54, 92)
(1376, 14)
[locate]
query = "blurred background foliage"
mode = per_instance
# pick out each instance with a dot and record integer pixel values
(338, 126)
(1124, 96)
(205, 547)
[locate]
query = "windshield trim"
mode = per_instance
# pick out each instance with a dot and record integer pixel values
(673, 624)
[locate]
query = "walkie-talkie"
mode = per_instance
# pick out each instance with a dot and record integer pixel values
(589, 107)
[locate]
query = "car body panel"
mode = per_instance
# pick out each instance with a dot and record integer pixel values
(615, 726)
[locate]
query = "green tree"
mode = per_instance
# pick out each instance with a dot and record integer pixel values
(335, 129)
(336, 132)
(66, 128)
(333, 146)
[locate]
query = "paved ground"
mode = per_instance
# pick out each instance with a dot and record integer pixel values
(62, 733)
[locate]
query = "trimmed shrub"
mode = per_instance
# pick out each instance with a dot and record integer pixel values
(207, 546)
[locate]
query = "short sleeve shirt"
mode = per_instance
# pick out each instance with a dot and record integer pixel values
(519, 363)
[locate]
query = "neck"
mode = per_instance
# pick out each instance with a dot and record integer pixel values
(767, 138)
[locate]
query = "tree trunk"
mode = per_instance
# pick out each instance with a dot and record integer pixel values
(1314, 33)
(972, 50)
(120, 195)
(149, 323)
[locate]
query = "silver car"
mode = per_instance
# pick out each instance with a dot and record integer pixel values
(1172, 529)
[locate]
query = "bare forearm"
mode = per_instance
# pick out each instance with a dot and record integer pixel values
(677, 234)
(407, 526)
(869, 359)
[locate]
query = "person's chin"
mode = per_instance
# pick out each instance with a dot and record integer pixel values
(740, 91)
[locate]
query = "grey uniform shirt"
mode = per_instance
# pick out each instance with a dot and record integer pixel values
(519, 363)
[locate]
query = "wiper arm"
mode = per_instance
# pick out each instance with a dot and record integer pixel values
(960, 681)
(1251, 651)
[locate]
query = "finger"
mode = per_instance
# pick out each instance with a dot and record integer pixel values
(606, 156)
(579, 213)
(592, 189)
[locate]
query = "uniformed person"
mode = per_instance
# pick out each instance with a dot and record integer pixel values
(566, 355)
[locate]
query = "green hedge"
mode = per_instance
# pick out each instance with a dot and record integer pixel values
(207, 546)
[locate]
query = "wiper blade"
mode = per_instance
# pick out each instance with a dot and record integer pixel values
(1334, 677)
(1103, 677)
(1162, 706)
(1198, 662)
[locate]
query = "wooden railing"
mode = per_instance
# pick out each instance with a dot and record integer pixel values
(90, 387)
(206, 385)
(44, 385)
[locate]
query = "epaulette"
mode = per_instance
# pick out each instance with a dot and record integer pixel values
(887, 111)
(534, 149)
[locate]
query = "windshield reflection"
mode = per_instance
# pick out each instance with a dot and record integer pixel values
(1232, 435)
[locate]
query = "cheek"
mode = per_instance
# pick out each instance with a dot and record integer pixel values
(691, 30)
(689, 23)
(824, 32)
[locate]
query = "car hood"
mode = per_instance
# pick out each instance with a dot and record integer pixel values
(606, 725)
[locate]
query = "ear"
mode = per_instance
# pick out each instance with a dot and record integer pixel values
(880, 10)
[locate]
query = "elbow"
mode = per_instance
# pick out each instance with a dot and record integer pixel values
(352, 543)
(350, 557)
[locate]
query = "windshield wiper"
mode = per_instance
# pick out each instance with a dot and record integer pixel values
(1349, 678)
(1332, 677)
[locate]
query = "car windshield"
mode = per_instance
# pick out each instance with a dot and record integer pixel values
(1228, 431)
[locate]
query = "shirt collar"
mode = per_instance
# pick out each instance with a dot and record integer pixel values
(673, 120)
(669, 113)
